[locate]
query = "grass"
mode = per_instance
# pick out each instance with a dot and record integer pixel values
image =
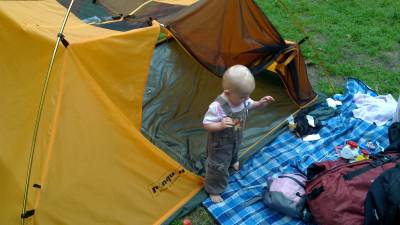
(358, 39)
(198, 216)
(347, 38)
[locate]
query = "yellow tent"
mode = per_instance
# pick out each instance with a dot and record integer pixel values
(108, 88)
(89, 145)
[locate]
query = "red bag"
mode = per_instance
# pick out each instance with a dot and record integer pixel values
(336, 190)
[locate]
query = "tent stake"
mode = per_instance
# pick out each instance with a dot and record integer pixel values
(39, 113)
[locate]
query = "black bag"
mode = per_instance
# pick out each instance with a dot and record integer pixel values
(394, 136)
(303, 128)
(394, 132)
(382, 204)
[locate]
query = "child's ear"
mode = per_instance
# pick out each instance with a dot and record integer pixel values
(226, 92)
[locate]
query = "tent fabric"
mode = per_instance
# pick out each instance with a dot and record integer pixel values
(289, 154)
(85, 9)
(128, 6)
(223, 33)
(123, 15)
(177, 95)
(218, 34)
(91, 160)
(109, 116)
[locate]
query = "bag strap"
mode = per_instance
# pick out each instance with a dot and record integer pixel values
(253, 200)
(375, 163)
(315, 192)
(293, 179)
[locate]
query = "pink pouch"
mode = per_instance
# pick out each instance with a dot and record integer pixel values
(286, 194)
(290, 185)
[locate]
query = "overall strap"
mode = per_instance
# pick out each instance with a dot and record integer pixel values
(224, 104)
(227, 109)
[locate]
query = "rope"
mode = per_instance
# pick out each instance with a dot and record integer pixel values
(300, 27)
(139, 7)
(122, 17)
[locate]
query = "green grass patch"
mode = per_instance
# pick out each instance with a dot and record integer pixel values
(198, 216)
(358, 39)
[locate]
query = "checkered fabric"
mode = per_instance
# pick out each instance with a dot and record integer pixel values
(286, 154)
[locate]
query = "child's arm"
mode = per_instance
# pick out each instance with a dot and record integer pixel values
(264, 101)
(226, 122)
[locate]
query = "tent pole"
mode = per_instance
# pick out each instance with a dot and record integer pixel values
(24, 213)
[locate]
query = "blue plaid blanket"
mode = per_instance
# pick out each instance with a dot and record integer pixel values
(287, 153)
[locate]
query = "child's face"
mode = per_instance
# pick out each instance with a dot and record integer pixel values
(236, 99)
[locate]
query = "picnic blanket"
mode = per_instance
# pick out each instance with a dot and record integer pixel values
(288, 153)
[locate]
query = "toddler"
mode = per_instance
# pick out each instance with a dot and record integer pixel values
(225, 121)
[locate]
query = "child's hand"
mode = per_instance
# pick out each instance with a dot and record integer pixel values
(266, 100)
(227, 122)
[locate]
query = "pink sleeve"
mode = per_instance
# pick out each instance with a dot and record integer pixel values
(214, 113)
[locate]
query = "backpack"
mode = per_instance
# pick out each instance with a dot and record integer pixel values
(285, 193)
(382, 205)
(337, 190)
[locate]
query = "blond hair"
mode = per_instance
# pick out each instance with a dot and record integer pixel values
(238, 79)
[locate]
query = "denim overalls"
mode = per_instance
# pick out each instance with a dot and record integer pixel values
(222, 149)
